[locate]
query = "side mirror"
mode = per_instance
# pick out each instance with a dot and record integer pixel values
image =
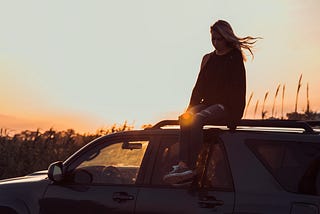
(55, 171)
(82, 177)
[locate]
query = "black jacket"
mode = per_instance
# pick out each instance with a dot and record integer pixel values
(222, 80)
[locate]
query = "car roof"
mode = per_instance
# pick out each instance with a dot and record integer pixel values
(276, 126)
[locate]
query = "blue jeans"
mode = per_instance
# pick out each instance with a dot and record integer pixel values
(191, 130)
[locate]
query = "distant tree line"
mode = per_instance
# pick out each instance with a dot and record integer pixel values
(30, 151)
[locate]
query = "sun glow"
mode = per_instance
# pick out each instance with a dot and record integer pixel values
(88, 67)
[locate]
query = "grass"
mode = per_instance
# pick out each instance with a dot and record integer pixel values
(307, 114)
(274, 101)
(30, 151)
(297, 93)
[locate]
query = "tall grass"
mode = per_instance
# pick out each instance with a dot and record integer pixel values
(274, 100)
(30, 151)
(263, 111)
(256, 109)
(308, 114)
(282, 100)
(248, 104)
(297, 93)
(308, 100)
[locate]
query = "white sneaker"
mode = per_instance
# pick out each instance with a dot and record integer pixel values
(179, 176)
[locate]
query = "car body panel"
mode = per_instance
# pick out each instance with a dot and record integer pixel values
(23, 193)
(88, 199)
(180, 200)
(254, 188)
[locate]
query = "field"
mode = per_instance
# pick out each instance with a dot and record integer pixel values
(31, 151)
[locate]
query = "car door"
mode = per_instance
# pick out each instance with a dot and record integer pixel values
(294, 162)
(102, 179)
(211, 193)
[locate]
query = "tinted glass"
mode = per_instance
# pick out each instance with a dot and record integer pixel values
(295, 165)
(167, 157)
(117, 163)
(217, 174)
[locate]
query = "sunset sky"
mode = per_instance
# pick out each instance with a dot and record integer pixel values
(89, 64)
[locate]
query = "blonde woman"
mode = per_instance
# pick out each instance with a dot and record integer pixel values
(218, 95)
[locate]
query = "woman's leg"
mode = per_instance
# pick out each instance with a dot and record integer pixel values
(191, 140)
(207, 115)
(186, 125)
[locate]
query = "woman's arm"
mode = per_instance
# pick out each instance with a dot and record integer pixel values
(237, 87)
(197, 92)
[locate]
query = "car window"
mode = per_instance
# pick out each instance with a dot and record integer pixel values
(217, 172)
(294, 164)
(118, 163)
(167, 157)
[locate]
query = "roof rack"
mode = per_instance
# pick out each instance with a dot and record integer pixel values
(305, 125)
(313, 123)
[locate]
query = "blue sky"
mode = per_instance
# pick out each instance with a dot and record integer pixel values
(88, 64)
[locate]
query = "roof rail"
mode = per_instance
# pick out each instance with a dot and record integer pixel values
(165, 123)
(313, 123)
(278, 124)
(305, 125)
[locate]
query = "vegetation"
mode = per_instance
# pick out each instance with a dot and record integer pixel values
(307, 114)
(31, 151)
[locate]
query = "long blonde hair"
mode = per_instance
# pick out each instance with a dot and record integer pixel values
(225, 30)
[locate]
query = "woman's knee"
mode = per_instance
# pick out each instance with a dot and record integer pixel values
(186, 119)
(198, 119)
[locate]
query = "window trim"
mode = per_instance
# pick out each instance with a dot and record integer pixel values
(160, 139)
(105, 141)
(250, 143)
(218, 140)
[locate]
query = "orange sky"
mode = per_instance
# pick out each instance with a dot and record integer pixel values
(89, 64)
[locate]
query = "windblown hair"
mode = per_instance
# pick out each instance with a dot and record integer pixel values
(225, 30)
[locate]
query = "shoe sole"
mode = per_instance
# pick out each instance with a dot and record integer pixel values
(178, 178)
(188, 183)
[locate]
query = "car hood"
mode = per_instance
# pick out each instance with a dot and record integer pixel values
(24, 191)
(28, 179)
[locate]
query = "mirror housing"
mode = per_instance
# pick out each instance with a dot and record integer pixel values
(82, 177)
(128, 145)
(55, 171)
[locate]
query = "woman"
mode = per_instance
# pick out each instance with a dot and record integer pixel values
(218, 95)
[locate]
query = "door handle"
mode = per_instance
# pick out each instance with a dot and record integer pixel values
(122, 196)
(209, 202)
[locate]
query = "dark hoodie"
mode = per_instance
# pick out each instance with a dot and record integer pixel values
(222, 80)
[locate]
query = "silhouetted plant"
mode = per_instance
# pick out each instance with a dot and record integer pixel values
(308, 101)
(282, 99)
(274, 100)
(263, 111)
(256, 109)
(311, 115)
(248, 104)
(30, 151)
(297, 93)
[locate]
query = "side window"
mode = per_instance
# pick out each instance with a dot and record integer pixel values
(217, 175)
(118, 163)
(295, 165)
(168, 155)
(217, 172)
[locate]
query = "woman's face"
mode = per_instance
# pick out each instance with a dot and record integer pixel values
(218, 42)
